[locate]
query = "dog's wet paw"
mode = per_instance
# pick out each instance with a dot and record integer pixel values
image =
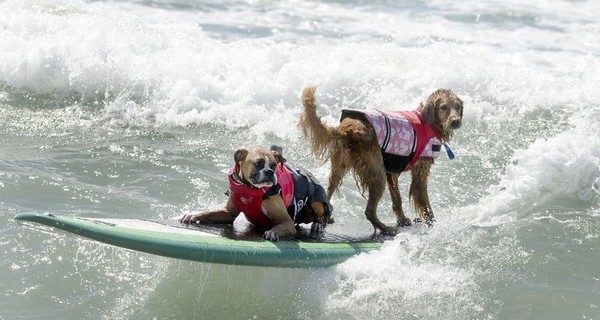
(429, 222)
(429, 218)
(390, 231)
(317, 228)
(271, 235)
(404, 222)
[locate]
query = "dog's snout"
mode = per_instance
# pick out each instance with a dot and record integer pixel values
(269, 173)
(455, 123)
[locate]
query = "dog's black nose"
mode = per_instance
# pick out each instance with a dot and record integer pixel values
(455, 124)
(269, 173)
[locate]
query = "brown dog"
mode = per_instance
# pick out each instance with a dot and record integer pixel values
(378, 146)
(272, 194)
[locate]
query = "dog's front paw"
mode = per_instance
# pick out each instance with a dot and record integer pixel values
(429, 222)
(189, 219)
(426, 216)
(271, 235)
(429, 218)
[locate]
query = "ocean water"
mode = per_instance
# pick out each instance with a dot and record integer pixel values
(133, 109)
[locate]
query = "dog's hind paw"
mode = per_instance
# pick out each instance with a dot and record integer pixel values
(404, 222)
(317, 227)
(390, 231)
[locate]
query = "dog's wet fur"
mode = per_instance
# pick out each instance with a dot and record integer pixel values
(352, 146)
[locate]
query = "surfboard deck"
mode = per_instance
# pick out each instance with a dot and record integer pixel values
(237, 244)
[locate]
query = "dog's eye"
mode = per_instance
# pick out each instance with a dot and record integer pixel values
(273, 166)
(444, 107)
(260, 164)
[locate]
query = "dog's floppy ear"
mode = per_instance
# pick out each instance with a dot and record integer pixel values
(428, 110)
(239, 156)
(278, 153)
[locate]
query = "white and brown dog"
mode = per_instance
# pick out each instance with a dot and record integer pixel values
(272, 194)
(377, 146)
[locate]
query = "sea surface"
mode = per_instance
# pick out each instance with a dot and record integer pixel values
(133, 109)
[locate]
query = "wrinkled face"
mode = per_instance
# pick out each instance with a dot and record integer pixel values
(258, 166)
(448, 109)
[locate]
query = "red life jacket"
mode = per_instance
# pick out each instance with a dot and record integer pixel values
(248, 199)
(425, 137)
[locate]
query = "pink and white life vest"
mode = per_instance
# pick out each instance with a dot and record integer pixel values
(402, 136)
(249, 199)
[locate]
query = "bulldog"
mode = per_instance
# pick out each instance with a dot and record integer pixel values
(271, 193)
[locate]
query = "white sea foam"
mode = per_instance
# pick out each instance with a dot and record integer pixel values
(167, 70)
(424, 268)
(549, 171)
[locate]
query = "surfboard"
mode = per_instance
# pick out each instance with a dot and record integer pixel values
(237, 244)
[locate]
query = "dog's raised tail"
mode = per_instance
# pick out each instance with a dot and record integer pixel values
(312, 127)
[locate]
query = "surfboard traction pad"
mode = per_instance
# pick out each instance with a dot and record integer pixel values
(237, 244)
